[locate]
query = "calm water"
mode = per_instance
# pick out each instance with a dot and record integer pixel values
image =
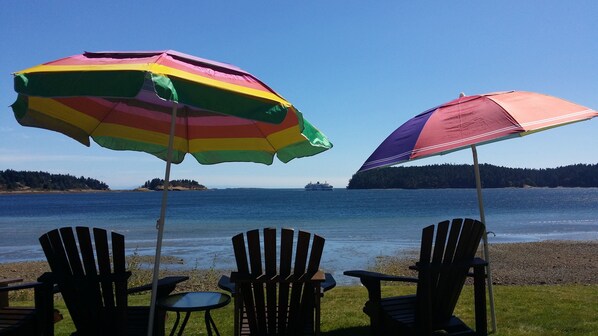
(357, 224)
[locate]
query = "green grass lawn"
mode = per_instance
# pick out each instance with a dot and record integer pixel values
(520, 310)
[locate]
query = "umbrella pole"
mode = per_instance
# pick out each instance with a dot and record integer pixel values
(160, 224)
(478, 183)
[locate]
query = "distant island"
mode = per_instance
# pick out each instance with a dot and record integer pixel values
(158, 184)
(462, 176)
(30, 181)
(34, 181)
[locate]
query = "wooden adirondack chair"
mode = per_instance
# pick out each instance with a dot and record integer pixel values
(26, 321)
(92, 279)
(273, 299)
(443, 266)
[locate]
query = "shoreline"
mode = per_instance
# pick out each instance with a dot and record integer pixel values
(531, 263)
(91, 191)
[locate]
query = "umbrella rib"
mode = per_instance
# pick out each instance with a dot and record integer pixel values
(264, 136)
(390, 158)
(112, 108)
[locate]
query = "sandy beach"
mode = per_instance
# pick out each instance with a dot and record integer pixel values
(550, 262)
(537, 263)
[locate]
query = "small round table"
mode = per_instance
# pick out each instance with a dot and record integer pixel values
(191, 302)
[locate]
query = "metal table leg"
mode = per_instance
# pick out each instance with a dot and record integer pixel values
(210, 323)
(176, 323)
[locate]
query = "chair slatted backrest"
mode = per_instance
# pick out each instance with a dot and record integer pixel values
(92, 278)
(443, 267)
(279, 297)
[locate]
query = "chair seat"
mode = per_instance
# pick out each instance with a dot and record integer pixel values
(308, 327)
(26, 321)
(137, 318)
(400, 312)
(17, 321)
(400, 308)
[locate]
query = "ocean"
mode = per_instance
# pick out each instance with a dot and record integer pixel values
(358, 224)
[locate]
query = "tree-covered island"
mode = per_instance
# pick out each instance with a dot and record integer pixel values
(20, 181)
(462, 176)
(158, 184)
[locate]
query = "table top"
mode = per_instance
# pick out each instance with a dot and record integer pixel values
(194, 301)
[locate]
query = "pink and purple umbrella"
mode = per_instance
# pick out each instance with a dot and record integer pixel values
(474, 120)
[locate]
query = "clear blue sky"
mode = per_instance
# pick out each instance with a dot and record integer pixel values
(356, 69)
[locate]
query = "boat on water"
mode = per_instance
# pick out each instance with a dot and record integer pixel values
(318, 186)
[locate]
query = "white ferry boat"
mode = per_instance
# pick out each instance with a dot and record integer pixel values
(318, 186)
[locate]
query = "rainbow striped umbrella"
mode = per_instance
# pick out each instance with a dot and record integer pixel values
(167, 104)
(125, 101)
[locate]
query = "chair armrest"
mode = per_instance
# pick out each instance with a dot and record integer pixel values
(371, 281)
(48, 278)
(26, 285)
(318, 277)
(226, 284)
(375, 276)
(478, 262)
(237, 277)
(329, 282)
(5, 282)
(165, 283)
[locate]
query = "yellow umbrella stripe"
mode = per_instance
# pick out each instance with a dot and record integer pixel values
(230, 144)
(286, 137)
(139, 135)
(279, 140)
(270, 144)
(160, 70)
(63, 113)
(164, 70)
(92, 67)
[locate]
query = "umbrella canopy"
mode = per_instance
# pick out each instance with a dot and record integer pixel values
(167, 104)
(472, 120)
(124, 100)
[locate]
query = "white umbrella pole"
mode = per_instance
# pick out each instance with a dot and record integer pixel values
(160, 224)
(478, 183)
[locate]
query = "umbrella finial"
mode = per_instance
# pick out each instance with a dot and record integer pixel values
(461, 95)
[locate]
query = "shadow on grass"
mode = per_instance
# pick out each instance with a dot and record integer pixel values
(351, 331)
